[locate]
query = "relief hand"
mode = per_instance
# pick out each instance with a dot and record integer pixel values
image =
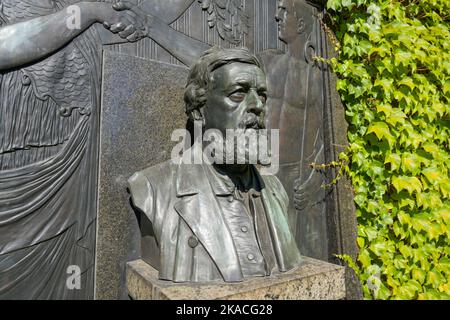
(308, 192)
(129, 22)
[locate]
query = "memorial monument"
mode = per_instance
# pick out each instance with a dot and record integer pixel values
(90, 93)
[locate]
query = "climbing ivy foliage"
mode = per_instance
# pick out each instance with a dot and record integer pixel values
(393, 71)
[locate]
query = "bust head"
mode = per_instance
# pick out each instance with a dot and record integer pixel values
(210, 72)
(227, 90)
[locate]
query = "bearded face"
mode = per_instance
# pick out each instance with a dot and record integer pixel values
(236, 107)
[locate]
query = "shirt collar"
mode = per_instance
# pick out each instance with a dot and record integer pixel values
(222, 184)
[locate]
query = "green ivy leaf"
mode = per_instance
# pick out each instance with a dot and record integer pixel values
(405, 250)
(444, 186)
(435, 278)
(421, 222)
(398, 116)
(419, 275)
(378, 247)
(383, 292)
(411, 163)
(334, 5)
(364, 258)
(411, 184)
(394, 160)
(382, 131)
(407, 82)
(361, 242)
(404, 218)
(433, 175)
(443, 213)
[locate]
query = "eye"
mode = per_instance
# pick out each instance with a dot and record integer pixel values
(263, 97)
(237, 96)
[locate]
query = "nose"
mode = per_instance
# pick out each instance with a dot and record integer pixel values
(255, 105)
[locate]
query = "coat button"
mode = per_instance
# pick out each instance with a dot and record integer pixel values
(244, 229)
(193, 242)
(250, 257)
(230, 199)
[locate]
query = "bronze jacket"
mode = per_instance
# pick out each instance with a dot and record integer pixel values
(194, 241)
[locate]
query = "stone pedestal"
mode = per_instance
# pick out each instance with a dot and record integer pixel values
(142, 104)
(313, 280)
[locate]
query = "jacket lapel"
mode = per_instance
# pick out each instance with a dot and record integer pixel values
(199, 208)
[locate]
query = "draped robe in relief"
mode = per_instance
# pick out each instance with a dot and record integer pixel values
(49, 123)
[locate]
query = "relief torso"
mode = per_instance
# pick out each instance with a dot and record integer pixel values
(288, 83)
(48, 136)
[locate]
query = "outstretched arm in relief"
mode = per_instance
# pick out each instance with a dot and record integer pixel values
(155, 20)
(186, 49)
(32, 40)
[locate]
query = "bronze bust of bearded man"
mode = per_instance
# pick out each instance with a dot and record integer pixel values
(218, 222)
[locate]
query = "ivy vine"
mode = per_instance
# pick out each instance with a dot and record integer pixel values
(393, 73)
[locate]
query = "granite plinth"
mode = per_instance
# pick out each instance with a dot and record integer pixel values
(313, 280)
(142, 104)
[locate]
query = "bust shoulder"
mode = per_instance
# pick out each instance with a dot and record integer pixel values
(144, 186)
(157, 172)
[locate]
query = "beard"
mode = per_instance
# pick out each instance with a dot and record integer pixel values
(247, 147)
(250, 145)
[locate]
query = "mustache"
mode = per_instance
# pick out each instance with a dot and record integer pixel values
(253, 121)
